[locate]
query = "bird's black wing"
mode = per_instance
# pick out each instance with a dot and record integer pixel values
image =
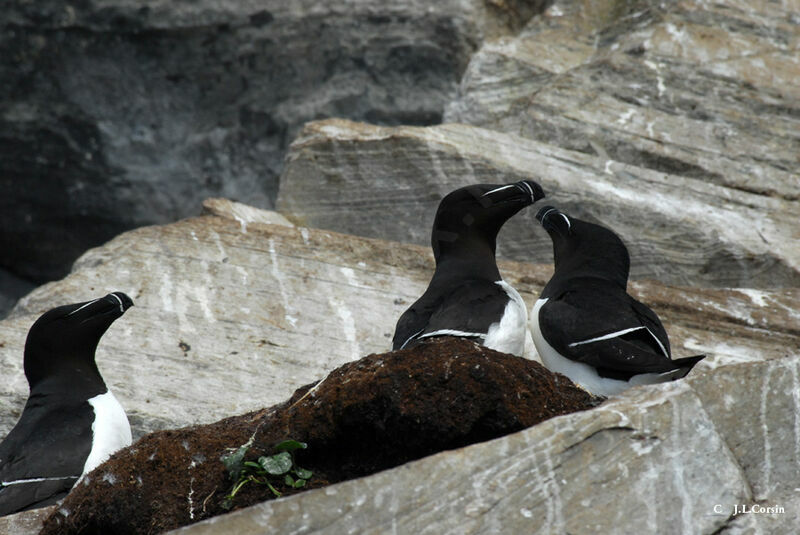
(602, 328)
(469, 307)
(42, 446)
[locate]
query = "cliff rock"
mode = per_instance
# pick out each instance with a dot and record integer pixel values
(122, 113)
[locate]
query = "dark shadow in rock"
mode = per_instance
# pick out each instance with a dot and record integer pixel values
(370, 415)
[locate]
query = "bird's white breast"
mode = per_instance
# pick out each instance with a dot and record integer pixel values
(110, 430)
(508, 334)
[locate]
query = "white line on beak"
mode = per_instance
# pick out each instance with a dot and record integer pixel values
(84, 306)
(121, 306)
(498, 189)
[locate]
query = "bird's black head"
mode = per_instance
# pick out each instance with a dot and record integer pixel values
(468, 219)
(583, 249)
(63, 340)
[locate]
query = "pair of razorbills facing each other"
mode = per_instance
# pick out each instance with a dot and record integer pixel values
(584, 325)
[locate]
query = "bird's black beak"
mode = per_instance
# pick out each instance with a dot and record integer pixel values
(561, 225)
(524, 191)
(545, 211)
(119, 299)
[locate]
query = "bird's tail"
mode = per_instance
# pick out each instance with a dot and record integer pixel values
(682, 367)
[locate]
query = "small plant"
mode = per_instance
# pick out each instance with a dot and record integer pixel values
(269, 470)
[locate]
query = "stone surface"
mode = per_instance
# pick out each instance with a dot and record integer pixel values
(230, 314)
(25, 523)
(233, 314)
(387, 181)
(123, 113)
(654, 460)
(366, 416)
(709, 91)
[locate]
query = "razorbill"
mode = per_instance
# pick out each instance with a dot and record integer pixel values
(71, 422)
(466, 296)
(586, 326)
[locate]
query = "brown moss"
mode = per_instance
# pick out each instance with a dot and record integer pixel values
(369, 415)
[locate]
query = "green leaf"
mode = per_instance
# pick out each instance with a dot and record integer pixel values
(303, 473)
(289, 480)
(233, 461)
(299, 483)
(278, 464)
(251, 464)
(291, 445)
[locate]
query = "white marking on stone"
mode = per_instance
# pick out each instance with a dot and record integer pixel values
(796, 402)
(767, 471)
(348, 325)
(758, 297)
(243, 273)
(678, 473)
(641, 447)
(607, 168)
(279, 279)
(110, 430)
(242, 223)
(508, 334)
(304, 234)
(659, 78)
(626, 117)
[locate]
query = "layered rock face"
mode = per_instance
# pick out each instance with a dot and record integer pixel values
(120, 114)
(675, 123)
(237, 308)
(387, 182)
(241, 311)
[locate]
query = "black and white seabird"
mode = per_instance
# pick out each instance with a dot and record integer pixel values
(467, 297)
(586, 326)
(71, 422)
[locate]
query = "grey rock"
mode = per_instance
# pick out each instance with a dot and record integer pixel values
(654, 460)
(26, 522)
(232, 314)
(704, 91)
(123, 113)
(387, 181)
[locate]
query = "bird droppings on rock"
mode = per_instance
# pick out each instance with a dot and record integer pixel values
(365, 416)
